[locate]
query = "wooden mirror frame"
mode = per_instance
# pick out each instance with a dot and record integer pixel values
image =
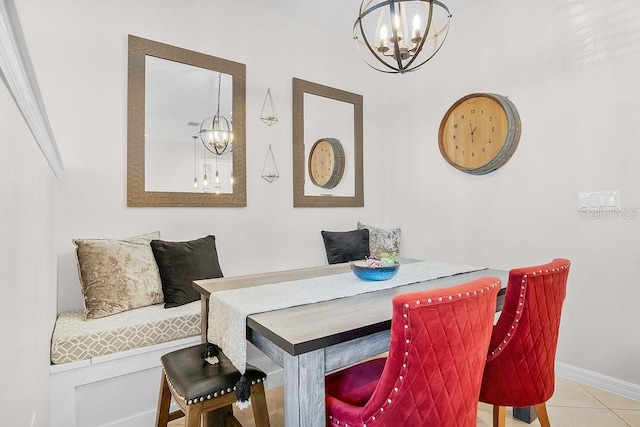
(137, 196)
(300, 87)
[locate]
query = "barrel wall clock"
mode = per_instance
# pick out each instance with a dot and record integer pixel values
(326, 163)
(479, 133)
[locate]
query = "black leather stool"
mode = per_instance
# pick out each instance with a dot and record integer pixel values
(199, 387)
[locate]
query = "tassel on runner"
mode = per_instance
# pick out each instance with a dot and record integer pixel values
(243, 392)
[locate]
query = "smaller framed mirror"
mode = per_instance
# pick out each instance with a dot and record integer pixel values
(327, 146)
(179, 101)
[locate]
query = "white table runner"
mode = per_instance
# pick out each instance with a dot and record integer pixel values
(228, 310)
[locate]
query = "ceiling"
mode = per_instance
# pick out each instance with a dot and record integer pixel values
(337, 16)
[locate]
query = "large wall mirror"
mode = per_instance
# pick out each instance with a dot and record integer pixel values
(186, 128)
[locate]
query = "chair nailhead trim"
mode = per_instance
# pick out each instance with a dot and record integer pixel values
(518, 316)
(201, 398)
(405, 315)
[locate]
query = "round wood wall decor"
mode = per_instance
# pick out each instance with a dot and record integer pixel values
(479, 133)
(326, 163)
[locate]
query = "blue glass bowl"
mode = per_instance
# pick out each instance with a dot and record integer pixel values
(362, 271)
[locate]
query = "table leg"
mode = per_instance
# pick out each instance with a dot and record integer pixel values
(526, 414)
(304, 390)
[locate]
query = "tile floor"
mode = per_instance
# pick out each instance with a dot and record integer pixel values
(573, 404)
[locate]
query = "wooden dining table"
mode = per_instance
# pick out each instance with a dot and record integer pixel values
(311, 340)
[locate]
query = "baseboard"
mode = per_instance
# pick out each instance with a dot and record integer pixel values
(603, 382)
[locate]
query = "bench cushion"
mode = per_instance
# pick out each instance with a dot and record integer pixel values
(76, 339)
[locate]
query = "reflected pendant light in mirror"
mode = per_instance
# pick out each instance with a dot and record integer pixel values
(195, 163)
(205, 180)
(216, 179)
(216, 132)
(398, 36)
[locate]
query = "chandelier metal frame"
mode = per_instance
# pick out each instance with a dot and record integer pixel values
(216, 132)
(402, 57)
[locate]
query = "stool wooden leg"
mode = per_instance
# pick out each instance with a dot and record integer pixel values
(164, 402)
(193, 415)
(229, 419)
(499, 416)
(259, 405)
(541, 410)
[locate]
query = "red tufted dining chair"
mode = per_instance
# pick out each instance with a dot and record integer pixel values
(520, 364)
(432, 375)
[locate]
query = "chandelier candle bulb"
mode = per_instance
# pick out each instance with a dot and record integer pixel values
(383, 39)
(396, 37)
(416, 29)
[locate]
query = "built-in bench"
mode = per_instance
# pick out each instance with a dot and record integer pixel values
(106, 371)
(105, 358)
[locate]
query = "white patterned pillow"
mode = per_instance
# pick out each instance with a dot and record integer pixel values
(382, 240)
(117, 275)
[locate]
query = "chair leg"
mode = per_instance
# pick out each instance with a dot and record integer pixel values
(193, 415)
(541, 410)
(499, 416)
(259, 405)
(164, 402)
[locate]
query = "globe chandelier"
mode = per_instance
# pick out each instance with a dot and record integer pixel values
(216, 133)
(399, 36)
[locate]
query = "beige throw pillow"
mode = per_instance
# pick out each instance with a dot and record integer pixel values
(382, 240)
(117, 275)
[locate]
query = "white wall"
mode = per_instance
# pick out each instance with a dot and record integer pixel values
(80, 52)
(28, 263)
(567, 66)
(571, 69)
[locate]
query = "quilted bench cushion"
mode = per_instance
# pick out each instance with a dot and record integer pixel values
(76, 339)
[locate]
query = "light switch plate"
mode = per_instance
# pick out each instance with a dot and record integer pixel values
(599, 201)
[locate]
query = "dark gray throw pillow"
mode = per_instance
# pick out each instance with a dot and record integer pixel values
(180, 263)
(344, 246)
